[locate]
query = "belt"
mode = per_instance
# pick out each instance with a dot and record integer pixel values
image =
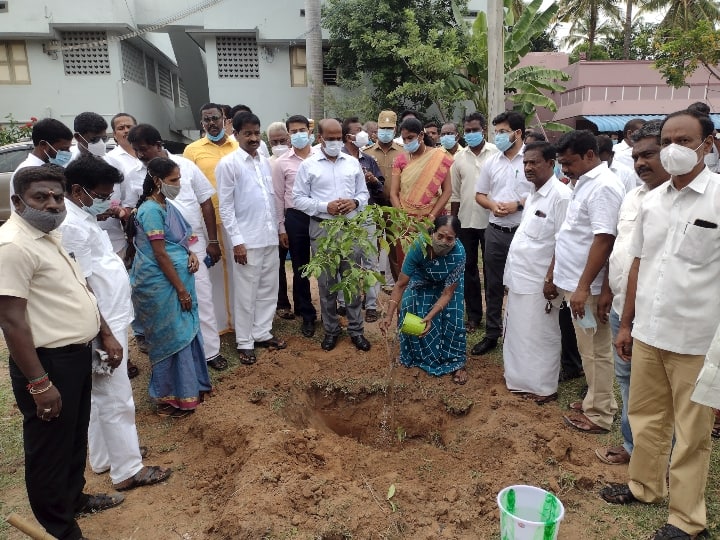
(504, 229)
(67, 348)
(319, 220)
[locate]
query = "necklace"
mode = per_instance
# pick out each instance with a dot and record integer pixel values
(412, 156)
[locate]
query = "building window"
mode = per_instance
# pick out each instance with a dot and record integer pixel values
(85, 53)
(165, 80)
(184, 101)
(14, 67)
(150, 74)
(237, 57)
(298, 69)
(133, 63)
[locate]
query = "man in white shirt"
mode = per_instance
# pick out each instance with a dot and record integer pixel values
(623, 149)
(626, 175)
(672, 309)
(582, 249)
(502, 189)
(51, 144)
(646, 153)
(262, 149)
(473, 218)
(196, 206)
(331, 183)
(294, 225)
(112, 435)
(532, 345)
(247, 209)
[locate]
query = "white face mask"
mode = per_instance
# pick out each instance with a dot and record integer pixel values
(678, 160)
(361, 139)
(96, 148)
(279, 149)
(332, 148)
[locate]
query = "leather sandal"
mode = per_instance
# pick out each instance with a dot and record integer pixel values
(146, 476)
(614, 455)
(97, 503)
(272, 344)
(618, 494)
(584, 424)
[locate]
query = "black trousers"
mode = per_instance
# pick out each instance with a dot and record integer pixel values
(283, 301)
(570, 361)
(55, 451)
(471, 239)
(297, 225)
(497, 245)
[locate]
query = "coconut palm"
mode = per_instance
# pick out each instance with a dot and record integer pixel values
(684, 14)
(573, 11)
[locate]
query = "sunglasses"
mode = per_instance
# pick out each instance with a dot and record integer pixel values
(209, 119)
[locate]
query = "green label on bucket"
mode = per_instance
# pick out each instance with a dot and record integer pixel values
(549, 516)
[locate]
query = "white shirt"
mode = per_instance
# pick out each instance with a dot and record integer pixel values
(626, 175)
(503, 180)
(105, 272)
(677, 307)
(247, 207)
(620, 258)
(593, 209)
(623, 154)
(30, 161)
(320, 181)
(464, 173)
(533, 245)
(195, 189)
(121, 160)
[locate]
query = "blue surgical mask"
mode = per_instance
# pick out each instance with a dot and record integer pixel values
(588, 323)
(62, 157)
(474, 139)
(413, 145)
(300, 139)
(448, 141)
(502, 141)
(386, 135)
(99, 206)
(216, 138)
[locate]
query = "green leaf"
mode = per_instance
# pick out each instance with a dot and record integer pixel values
(391, 492)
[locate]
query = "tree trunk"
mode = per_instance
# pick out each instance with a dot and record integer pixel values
(592, 29)
(314, 59)
(628, 29)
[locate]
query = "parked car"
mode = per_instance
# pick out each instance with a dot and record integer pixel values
(12, 155)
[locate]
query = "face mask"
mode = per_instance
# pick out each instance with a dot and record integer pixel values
(413, 145)
(280, 149)
(448, 141)
(474, 139)
(312, 139)
(169, 191)
(502, 141)
(588, 323)
(216, 138)
(99, 206)
(300, 139)
(40, 219)
(332, 148)
(678, 160)
(441, 249)
(97, 148)
(361, 139)
(614, 143)
(62, 157)
(385, 135)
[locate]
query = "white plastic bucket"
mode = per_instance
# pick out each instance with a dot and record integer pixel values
(529, 513)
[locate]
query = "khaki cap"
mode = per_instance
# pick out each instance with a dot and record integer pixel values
(387, 119)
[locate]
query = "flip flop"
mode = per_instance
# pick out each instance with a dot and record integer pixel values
(615, 455)
(459, 378)
(576, 406)
(272, 344)
(146, 476)
(542, 400)
(171, 412)
(584, 424)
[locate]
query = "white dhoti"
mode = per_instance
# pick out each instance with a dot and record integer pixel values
(255, 295)
(531, 346)
(112, 435)
(206, 303)
(221, 278)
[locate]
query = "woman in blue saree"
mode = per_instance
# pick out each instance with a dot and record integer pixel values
(430, 286)
(163, 294)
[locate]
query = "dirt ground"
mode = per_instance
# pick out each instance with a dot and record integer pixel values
(306, 444)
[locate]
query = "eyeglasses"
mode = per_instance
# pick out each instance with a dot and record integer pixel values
(94, 195)
(210, 119)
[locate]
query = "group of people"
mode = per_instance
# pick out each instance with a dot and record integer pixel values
(582, 242)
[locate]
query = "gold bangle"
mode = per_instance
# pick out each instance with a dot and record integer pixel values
(35, 391)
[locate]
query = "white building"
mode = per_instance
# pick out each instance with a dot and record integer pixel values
(158, 60)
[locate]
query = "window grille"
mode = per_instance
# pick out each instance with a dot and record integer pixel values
(89, 55)
(165, 80)
(184, 101)
(150, 74)
(237, 57)
(133, 63)
(14, 68)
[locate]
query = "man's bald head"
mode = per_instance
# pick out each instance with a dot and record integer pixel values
(328, 123)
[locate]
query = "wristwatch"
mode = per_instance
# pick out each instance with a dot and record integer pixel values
(520, 206)
(357, 203)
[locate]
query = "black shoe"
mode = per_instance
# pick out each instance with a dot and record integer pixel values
(329, 342)
(671, 532)
(341, 311)
(484, 346)
(360, 342)
(308, 328)
(97, 503)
